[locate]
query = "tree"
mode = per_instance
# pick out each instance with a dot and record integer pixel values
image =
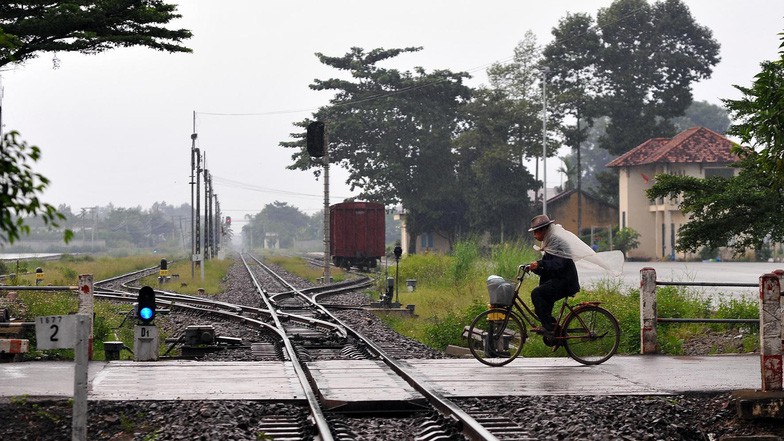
(639, 61)
(625, 239)
(571, 72)
(284, 220)
(490, 171)
(703, 114)
(21, 190)
(743, 211)
(393, 132)
(28, 28)
(760, 121)
(520, 82)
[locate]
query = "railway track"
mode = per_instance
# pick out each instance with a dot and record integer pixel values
(339, 337)
(234, 312)
(296, 327)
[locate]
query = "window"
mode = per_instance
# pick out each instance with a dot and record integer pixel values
(427, 240)
(722, 172)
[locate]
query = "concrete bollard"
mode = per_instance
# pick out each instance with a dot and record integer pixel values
(648, 340)
(770, 332)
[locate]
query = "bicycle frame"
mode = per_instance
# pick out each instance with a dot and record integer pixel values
(528, 316)
(496, 336)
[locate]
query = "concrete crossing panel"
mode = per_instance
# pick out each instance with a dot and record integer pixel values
(192, 380)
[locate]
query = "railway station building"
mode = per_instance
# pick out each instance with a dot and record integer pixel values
(697, 152)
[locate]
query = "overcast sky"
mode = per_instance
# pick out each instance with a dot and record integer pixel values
(115, 127)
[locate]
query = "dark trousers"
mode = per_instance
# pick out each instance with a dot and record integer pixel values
(544, 297)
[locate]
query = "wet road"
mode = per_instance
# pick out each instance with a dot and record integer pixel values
(732, 272)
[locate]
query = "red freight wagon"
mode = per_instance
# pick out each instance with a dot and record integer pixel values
(356, 234)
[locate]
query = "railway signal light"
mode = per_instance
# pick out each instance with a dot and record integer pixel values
(315, 139)
(228, 220)
(146, 305)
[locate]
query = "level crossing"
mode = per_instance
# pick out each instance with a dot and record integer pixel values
(355, 381)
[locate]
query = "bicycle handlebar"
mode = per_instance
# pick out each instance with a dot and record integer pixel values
(522, 270)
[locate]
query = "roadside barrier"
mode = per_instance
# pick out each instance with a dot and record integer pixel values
(769, 320)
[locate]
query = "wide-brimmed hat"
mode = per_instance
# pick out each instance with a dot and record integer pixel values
(540, 221)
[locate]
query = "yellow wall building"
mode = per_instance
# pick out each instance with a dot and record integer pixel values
(697, 152)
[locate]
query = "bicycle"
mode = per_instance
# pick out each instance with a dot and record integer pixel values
(589, 333)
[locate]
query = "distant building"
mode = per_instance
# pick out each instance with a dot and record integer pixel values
(697, 152)
(425, 242)
(596, 214)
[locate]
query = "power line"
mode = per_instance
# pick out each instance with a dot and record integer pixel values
(243, 185)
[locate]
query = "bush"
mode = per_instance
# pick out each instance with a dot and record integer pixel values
(508, 256)
(463, 262)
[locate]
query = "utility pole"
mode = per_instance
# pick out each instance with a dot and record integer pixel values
(218, 225)
(2, 92)
(207, 212)
(194, 225)
(544, 141)
(327, 257)
(579, 178)
(199, 256)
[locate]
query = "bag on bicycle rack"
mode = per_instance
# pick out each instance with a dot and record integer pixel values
(501, 292)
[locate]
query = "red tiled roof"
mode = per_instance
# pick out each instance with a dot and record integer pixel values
(696, 144)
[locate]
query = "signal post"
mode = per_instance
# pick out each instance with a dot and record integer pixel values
(145, 333)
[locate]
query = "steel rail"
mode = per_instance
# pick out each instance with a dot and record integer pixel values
(467, 424)
(337, 328)
(319, 419)
(185, 304)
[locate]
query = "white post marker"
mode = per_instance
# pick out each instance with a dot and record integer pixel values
(65, 332)
(146, 340)
(86, 305)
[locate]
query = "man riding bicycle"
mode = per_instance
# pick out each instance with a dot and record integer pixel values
(556, 270)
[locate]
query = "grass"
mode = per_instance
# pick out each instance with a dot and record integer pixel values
(302, 268)
(181, 281)
(450, 292)
(446, 301)
(111, 320)
(66, 270)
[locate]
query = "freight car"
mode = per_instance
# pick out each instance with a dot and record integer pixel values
(356, 234)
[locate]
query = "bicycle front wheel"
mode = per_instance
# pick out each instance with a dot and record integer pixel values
(591, 335)
(496, 337)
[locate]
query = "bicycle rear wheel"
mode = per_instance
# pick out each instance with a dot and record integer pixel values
(592, 335)
(494, 340)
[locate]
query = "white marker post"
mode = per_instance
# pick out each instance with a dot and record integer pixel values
(66, 332)
(73, 331)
